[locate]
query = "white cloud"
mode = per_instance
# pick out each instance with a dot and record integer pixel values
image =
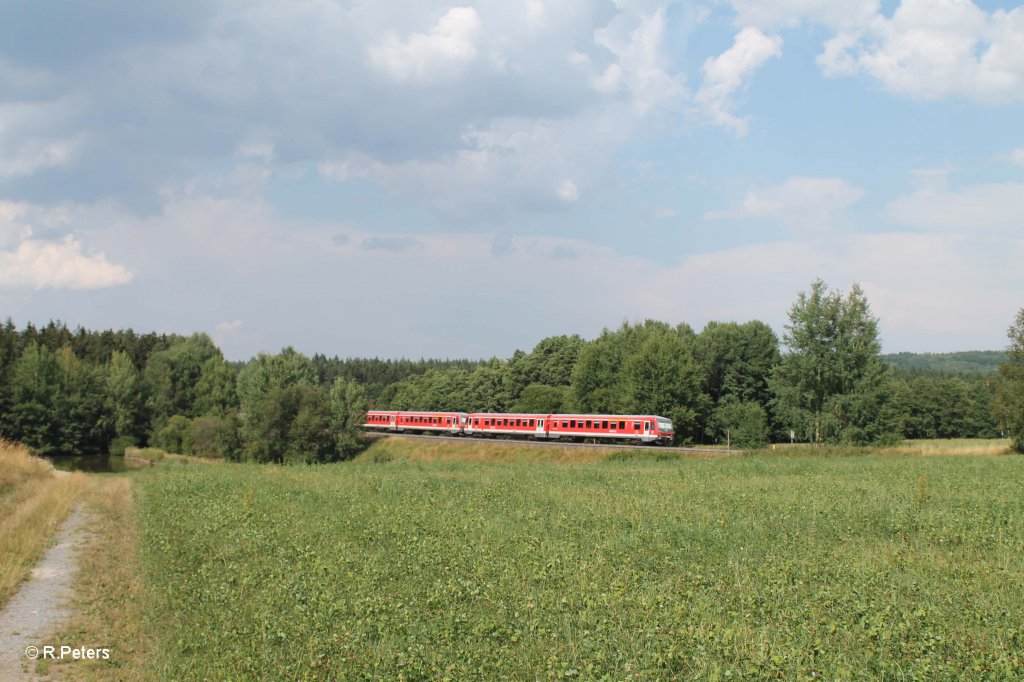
(639, 63)
(725, 74)
(803, 203)
(932, 49)
(39, 264)
(1017, 156)
(440, 54)
(982, 208)
(568, 192)
(512, 165)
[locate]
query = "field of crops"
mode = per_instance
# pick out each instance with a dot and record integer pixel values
(760, 567)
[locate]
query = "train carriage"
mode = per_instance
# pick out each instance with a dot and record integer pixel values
(422, 422)
(502, 424)
(380, 419)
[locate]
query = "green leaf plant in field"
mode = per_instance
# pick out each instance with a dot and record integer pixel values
(759, 568)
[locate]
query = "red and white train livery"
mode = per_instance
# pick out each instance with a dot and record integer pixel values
(643, 428)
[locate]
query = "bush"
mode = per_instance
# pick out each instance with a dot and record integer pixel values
(212, 436)
(175, 436)
(121, 443)
(745, 424)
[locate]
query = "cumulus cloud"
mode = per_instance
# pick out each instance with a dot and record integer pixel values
(438, 54)
(639, 61)
(727, 73)
(933, 49)
(799, 202)
(36, 264)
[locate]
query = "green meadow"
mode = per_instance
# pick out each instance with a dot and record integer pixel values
(754, 567)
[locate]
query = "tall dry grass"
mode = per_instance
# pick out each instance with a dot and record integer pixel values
(951, 446)
(34, 501)
(109, 596)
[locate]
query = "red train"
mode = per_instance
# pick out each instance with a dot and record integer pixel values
(643, 428)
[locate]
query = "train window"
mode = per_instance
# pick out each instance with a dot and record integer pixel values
(636, 426)
(565, 423)
(622, 425)
(572, 423)
(604, 425)
(531, 423)
(588, 423)
(519, 422)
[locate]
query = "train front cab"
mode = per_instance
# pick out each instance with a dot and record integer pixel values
(642, 428)
(662, 431)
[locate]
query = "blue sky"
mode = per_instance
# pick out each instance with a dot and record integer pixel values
(460, 180)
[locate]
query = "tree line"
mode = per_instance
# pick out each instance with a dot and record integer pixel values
(824, 381)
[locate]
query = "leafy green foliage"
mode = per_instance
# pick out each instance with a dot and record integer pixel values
(963, 362)
(542, 399)
(754, 568)
(736, 361)
(348, 405)
(832, 385)
(173, 376)
(744, 423)
(1010, 404)
(642, 369)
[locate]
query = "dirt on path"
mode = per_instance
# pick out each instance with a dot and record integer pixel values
(41, 604)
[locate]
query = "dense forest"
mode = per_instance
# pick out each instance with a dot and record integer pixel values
(963, 362)
(89, 392)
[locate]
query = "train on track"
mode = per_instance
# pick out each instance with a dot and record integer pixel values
(575, 427)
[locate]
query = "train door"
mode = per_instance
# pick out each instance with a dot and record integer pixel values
(393, 418)
(539, 433)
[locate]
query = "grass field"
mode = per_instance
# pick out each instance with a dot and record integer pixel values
(754, 567)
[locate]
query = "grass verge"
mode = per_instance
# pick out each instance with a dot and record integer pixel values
(34, 501)
(109, 595)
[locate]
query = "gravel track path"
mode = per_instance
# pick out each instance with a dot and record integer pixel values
(41, 603)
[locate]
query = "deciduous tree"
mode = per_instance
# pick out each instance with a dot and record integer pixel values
(1010, 399)
(831, 386)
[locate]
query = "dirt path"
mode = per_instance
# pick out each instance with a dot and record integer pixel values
(41, 603)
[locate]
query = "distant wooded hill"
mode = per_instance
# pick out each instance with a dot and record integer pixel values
(964, 362)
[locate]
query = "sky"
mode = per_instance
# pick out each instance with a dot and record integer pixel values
(426, 179)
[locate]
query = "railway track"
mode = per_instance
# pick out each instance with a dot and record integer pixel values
(554, 443)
